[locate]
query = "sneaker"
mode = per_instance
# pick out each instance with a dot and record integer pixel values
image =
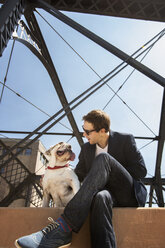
(49, 237)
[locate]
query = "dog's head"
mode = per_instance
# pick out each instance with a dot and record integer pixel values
(60, 154)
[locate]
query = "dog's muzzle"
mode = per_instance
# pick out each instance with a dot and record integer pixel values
(72, 156)
(62, 152)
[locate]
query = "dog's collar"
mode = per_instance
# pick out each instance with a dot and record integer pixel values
(57, 167)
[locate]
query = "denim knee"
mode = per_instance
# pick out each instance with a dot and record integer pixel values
(103, 155)
(103, 160)
(102, 199)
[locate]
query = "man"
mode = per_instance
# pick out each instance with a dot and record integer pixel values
(110, 168)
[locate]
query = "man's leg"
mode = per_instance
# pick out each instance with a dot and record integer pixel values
(52, 236)
(106, 172)
(101, 228)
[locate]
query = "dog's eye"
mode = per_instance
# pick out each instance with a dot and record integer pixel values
(60, 153)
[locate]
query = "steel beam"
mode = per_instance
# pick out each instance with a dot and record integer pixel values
(43, 133)
(151, 181)
(67, 134)
(10, 13)
(161, 140)
(98, 40)
(151, 195)
(34, 28)
(87, 93)
(136, 9)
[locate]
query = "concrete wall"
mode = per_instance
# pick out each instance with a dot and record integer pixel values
(135, 228)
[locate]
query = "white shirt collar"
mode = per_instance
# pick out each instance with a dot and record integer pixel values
(99, 149)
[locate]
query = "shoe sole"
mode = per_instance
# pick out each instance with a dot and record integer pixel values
(63, 246)
(17, 245)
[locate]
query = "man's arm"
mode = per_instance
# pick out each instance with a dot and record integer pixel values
(80, 168)
(135, 162)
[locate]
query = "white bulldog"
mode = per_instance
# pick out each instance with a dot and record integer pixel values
(60, 183)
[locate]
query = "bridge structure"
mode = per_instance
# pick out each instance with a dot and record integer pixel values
(10, 17)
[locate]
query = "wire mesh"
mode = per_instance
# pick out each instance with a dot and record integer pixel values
(14, 173)
(33, 197)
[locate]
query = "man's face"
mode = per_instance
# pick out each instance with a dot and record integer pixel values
(92, 136)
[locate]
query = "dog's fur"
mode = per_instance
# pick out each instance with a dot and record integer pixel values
(60, 184)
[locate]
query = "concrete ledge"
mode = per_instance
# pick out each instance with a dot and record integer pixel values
(140, 228)
(134, 227)
(17, 222)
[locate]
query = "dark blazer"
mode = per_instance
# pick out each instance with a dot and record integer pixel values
(123, 148)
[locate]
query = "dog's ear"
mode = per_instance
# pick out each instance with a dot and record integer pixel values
(48, 152)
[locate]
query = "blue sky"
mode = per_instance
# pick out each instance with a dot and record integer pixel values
(29, 78)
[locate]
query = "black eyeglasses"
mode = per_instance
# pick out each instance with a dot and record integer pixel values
(88, 131)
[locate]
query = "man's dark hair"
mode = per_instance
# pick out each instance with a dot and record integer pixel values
(99, 119)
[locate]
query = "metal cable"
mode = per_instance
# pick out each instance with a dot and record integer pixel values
(88, 66)
(68, 44)
(119, 68)
(149, 48)
(23, 98)
(160, 34)
(45, 123)
(4, 85)
(111, 74)
(7, 70)
(147, 144)
(4, 136)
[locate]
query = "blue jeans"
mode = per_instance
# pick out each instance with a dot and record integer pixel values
(106, 185)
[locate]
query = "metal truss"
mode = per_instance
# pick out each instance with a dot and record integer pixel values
(148, 10)
(137, 9)
(9, 15)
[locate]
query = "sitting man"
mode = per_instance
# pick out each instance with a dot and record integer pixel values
(110, 167)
